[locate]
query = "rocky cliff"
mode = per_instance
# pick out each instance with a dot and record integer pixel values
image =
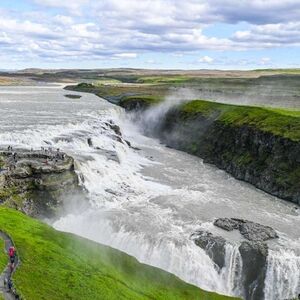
(36, 182)
(267, 160)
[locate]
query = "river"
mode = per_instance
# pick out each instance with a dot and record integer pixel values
(148, 199)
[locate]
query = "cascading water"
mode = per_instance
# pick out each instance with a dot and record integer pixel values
(147, 202)
(283, 275)
(232, 271)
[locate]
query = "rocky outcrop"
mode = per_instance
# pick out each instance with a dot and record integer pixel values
(253, 252)
(36, 182)
(72, 96)
(249, 230)
(268, 161)
(137, 104)
(213, 245)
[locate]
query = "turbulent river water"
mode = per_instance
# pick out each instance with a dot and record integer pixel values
(148, 199)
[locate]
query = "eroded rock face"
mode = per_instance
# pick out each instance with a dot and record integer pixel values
(249, 230)
(213, 245)
(36, 182)
(267, 161)
(254, 256)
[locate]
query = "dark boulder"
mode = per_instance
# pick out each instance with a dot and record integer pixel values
(71, 96)
(90, 142)
(256, 232)
(227, 224)
(249, 230)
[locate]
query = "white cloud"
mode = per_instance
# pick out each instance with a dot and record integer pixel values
(125, 55)
(151, 62)
(127, 28)
(63, 20)
(270, 35)
(265, 61)
(177, 54)
(206, 59)
(69, 4)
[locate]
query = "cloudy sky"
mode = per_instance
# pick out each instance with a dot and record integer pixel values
(190, 34)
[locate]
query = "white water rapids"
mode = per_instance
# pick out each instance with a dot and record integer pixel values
(148, 202)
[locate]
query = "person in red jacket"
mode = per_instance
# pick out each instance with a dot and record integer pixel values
(12, 254)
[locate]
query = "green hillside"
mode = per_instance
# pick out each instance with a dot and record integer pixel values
(280, 122)
(56, 265)
(3, 256)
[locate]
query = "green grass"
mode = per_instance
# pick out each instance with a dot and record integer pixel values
(58, 265)
(286, 112)
(285, 123)
(3, 256)
(105, 81)
(125, 92)
(279, 71)
(164, 79)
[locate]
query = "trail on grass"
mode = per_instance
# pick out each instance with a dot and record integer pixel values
(8, 295)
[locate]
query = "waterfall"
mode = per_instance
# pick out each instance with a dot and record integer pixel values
(232, 270)
(283, 275)
(148, 202)
(173, 254)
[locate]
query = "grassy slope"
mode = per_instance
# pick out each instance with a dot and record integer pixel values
(57, 265)
(3, 260)
(3, 256)
(277, 121)
(118, 93)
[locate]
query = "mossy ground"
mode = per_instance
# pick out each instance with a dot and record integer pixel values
(279, 122)
(56, 265)
(11, 196)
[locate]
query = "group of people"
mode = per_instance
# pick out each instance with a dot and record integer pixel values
(14, 154)
(12, 260)
(52, 154)
(14, 159)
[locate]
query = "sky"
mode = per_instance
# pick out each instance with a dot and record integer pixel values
(155, 34)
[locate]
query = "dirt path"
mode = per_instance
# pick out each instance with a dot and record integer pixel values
(6, 273)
